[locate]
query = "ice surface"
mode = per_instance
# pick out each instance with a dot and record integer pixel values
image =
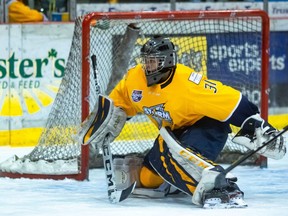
(266, 192)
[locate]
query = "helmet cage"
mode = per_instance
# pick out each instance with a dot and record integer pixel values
(152, 64)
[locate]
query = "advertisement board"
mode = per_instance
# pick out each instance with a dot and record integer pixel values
(32, 62)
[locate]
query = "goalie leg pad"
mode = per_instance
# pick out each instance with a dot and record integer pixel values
(127, 171)
(104, 119)
(196, 166)
(169, 168)
(180, 167)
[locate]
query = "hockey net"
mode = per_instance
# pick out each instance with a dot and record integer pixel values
(230, 46)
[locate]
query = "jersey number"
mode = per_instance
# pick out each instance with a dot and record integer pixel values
(210, 85)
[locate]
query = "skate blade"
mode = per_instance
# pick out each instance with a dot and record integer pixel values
(217, 204)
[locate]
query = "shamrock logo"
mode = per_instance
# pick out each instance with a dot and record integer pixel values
(52, 53)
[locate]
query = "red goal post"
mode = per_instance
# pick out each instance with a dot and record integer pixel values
(231, 46)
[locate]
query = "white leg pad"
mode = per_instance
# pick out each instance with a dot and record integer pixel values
(127, 171)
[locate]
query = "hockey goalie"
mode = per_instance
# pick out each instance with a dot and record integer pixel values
(193, 115)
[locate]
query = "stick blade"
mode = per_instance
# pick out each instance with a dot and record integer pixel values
(120, 195)
(126, 192)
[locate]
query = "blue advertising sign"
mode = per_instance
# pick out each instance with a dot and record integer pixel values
(231, 58)
(278, 58)
(236, 62)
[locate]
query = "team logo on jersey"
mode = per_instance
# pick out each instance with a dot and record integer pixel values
(137, 95)
(158, 113)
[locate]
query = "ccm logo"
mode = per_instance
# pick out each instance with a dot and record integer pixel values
(108, 165)
(193, 158)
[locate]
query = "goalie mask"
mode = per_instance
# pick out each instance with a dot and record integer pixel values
(158, 58)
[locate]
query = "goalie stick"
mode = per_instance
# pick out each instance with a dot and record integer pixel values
(114, 195)
(120, 65)
(94, 66)
(220, 179)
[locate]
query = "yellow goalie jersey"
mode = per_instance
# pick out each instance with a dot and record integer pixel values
(184, 98)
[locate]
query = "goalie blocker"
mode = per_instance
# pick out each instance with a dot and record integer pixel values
(105, 119)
